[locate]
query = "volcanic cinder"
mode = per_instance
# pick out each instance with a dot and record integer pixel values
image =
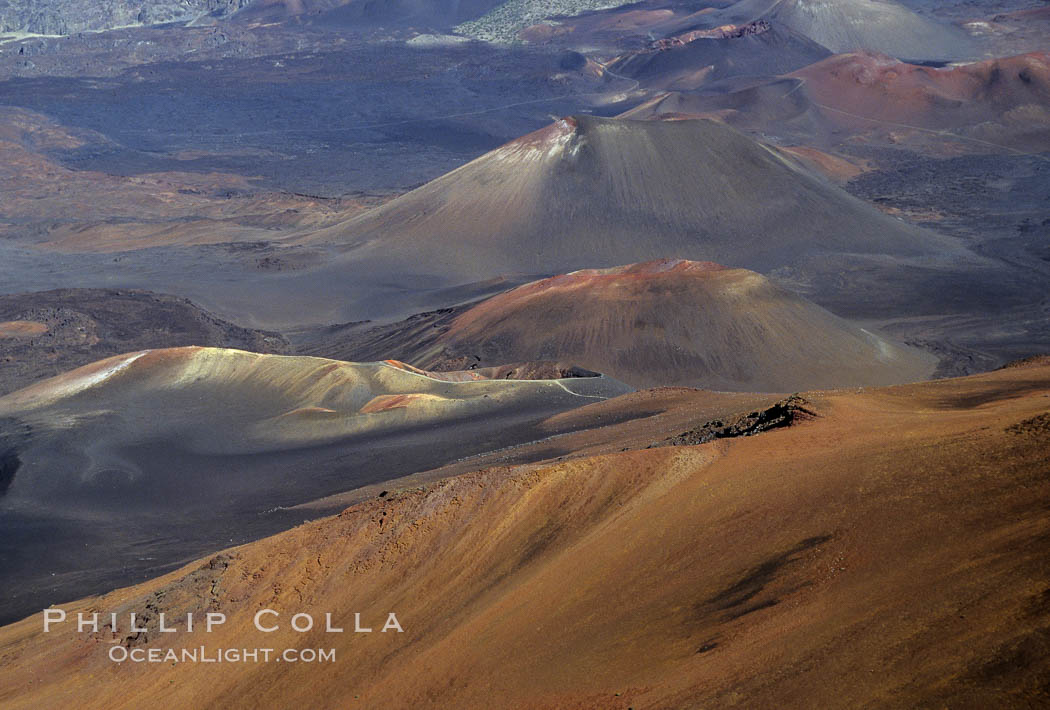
(848, 25)
(316, 308)
(669, 322)
(900, 531)
(590, 192)
(153, 455)
(992, 105)
(760, 49)
(47, 333)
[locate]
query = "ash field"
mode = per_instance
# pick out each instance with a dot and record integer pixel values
(665, 354)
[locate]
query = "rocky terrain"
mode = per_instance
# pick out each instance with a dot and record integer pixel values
(581, 193)
(669, 322)
(786, 412)
(66, 17)
(638, 578)
(46, 334)
(504, 23)
(213, 442)
(617, 348)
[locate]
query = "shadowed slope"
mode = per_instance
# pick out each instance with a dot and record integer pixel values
(774, 108)
(781, 102)
(67, 328)
(668, 322)
(890, 553)
(220, 402)
(156, 455)
(765, 51)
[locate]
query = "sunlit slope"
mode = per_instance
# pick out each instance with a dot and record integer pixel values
(120, 469)
(591, 192)
(668, 322)
(890, 552)
(848, 25)
(218, 402)
(994, 105)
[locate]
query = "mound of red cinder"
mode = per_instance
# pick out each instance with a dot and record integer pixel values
(999, 100)
(675, 322)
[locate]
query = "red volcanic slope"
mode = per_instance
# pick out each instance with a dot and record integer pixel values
(1010, 95)
(667, 322)
(984, 106)
(889, 553)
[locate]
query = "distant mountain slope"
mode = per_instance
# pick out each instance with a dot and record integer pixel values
(995, 105)
(669, 322)
(591, 192)
(68, 328)
(1002, 102)
(849, 25)
(762, 50)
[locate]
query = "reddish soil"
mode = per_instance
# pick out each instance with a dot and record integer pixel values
(897, 540)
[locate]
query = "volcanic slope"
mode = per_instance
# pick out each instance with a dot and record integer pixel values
(46, 204)
(669, 322)
(998, 103)
(888, 552)
(68, 328)
(591, 192)
(778, 106)
(767, 50)
(850, 25)
(159, 454)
